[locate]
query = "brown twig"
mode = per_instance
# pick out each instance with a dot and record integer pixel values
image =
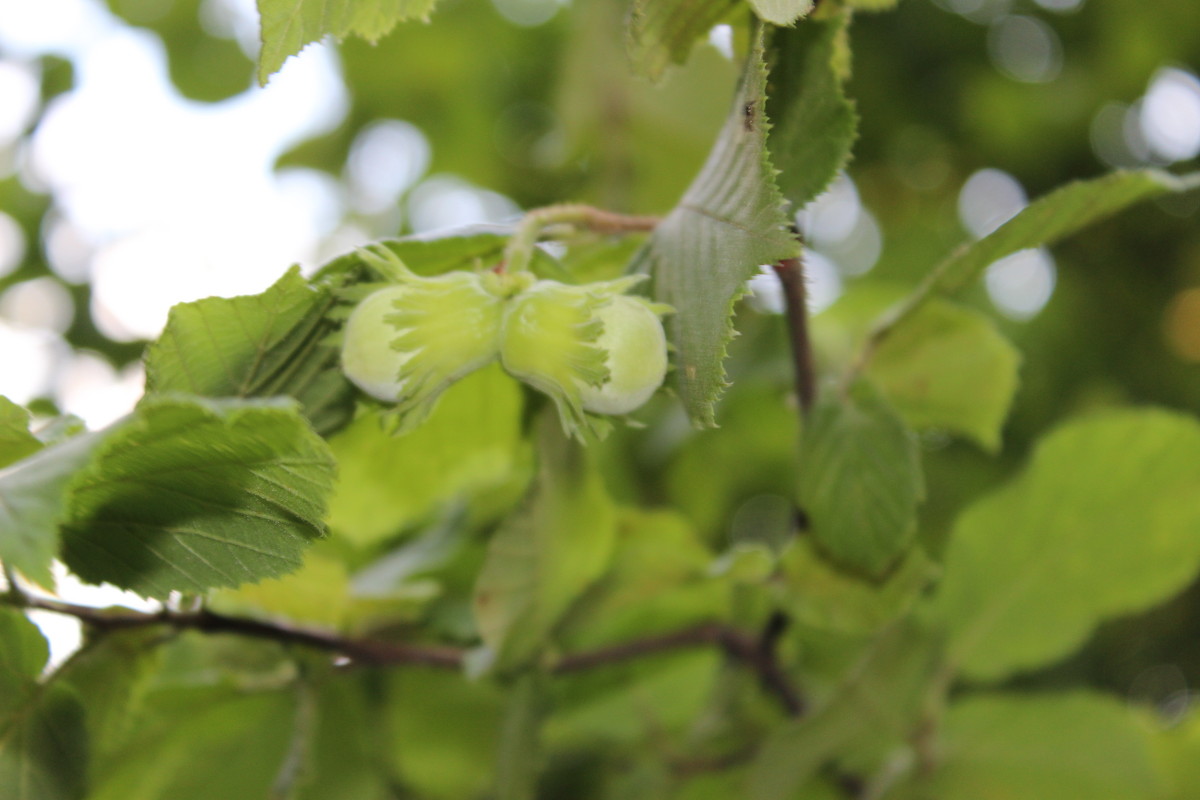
(755, 653)
(795, 294)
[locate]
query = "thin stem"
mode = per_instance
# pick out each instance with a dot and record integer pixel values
(519, 251)
(756, 653)
(791, 277)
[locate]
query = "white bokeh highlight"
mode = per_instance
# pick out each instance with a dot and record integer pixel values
(988, 199)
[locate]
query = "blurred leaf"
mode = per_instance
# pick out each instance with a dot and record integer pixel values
(16, 441)
(289, 25)
(642, 703)
(662, 32)
(1056, 216)
(758, 433)
(22, 658)
(259, 345)
(342, 757)
(1077, 746)
(202, 66)
(637, 143)
(43, 744)
(875, 709)
(860, 479)
(443, 732)
(201, 743)
(818, 594)
(728, 223)
(546, 555)
(657, 582)
(781, 12)
(185, 495)
(317, 594)
(112, 675)
(1104, 521)
(519, 759)
(948, 367)
(470, 445)
(871, 5)
(1176, 751)
(814, 125)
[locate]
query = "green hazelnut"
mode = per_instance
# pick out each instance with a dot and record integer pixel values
(405, 344)
(636, 359)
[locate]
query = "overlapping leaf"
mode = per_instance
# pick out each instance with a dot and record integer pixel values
(43, 744)
(860, 479)
(189, 495)
(1104, 521)
(16, 441)
(260, 345)
(813, 123)
(1077, 746)
(873, 710)
(289, 25)
(948, 367)
(470, 445)
(729, 222)
(543, 558)
(32, 508)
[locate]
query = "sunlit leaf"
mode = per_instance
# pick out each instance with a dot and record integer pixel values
(1076, 746)
(188, 495)
(813, 123)
(260, 345)
(543, 558)
(728, 223)
(32, 508)
(289, 25)
(860, 479)
(16, 441)
(948, 367)
(471, 445)
(1104, 521)
(43, 744)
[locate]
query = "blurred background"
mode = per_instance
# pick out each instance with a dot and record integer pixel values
(140, 167)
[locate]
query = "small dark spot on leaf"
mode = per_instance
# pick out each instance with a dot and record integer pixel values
(748, 116)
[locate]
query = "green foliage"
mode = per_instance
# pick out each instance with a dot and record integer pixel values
(662, 33)
(948, 368)
(996, 746)
(289, 25)
(814, 123)
(262, 345)
(1103, 522)
(182, 496)
(961, 573)
(16, 441)
(546, 555)
(42, 743)
(860, 479)
(728, 222)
